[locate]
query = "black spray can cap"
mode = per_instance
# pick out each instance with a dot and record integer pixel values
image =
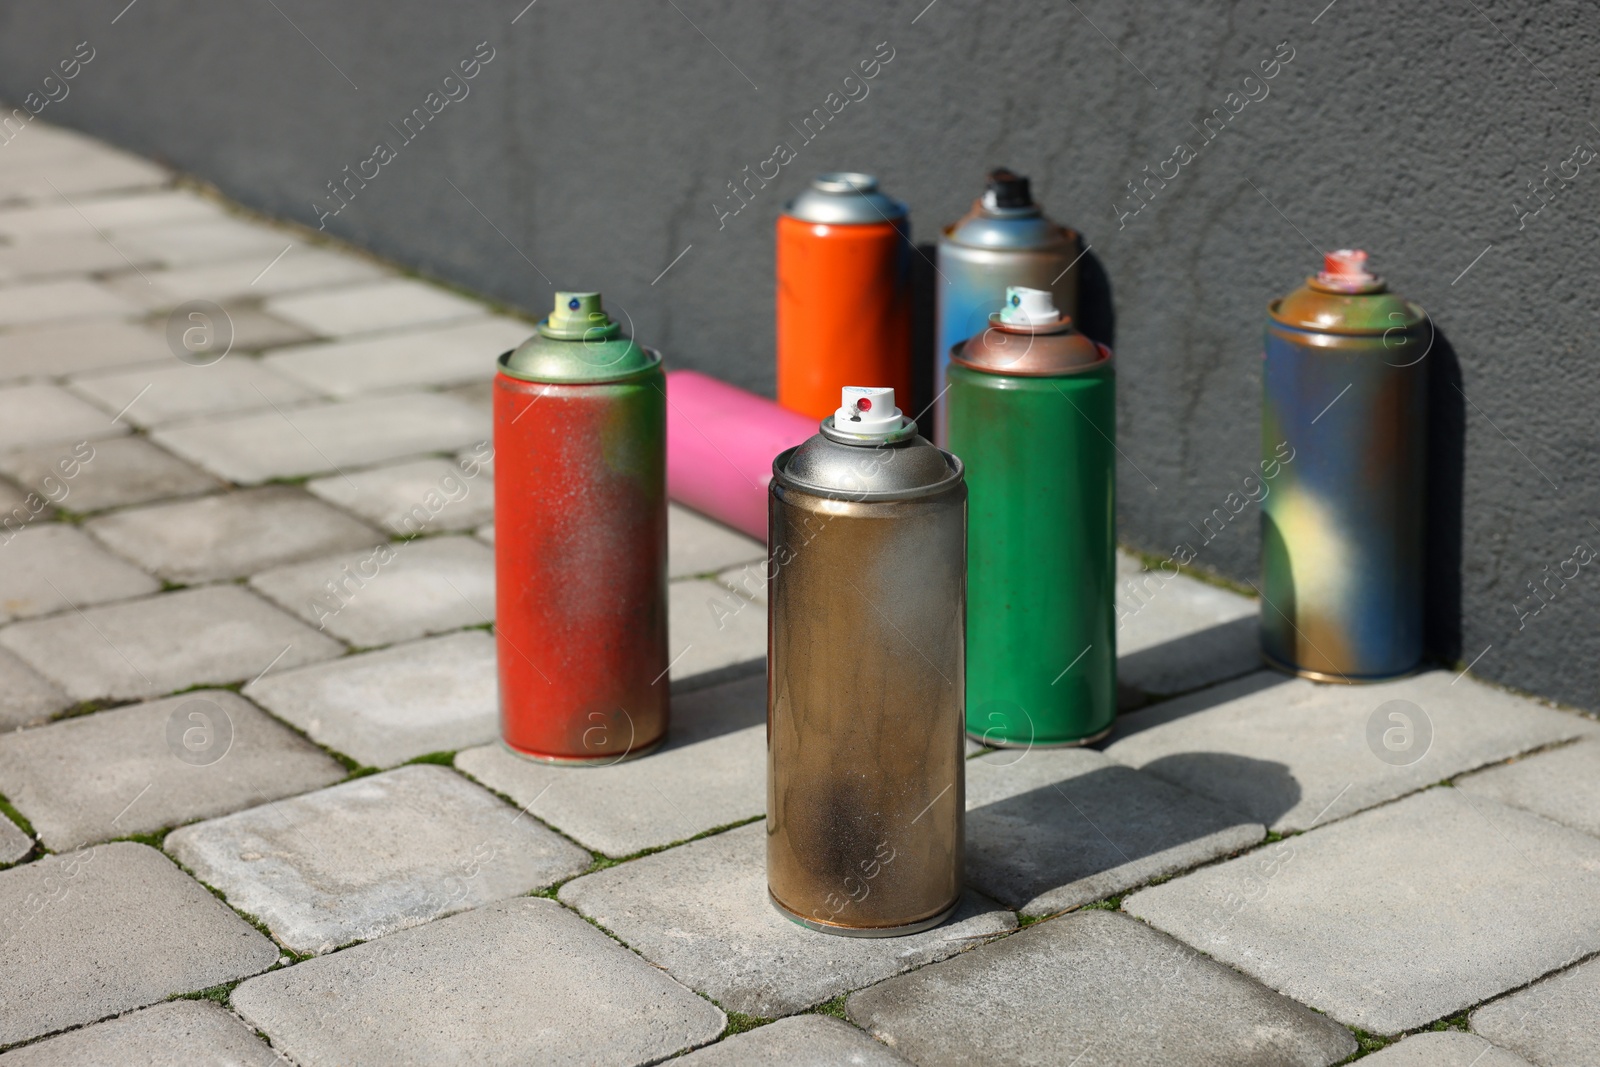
(1009, 189)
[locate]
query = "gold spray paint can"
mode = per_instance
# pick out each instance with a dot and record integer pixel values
(866, 679)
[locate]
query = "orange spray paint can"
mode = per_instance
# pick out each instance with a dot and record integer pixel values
(844, 293)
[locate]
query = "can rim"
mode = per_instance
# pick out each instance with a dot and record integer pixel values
(502, 362)
(781, 477)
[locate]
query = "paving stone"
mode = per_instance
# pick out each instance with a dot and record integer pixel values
(478, 394)
(1052, 829)
(302, 268)
(372, 856)
(798, 1041)
(88, 934)
(173, 392)
(383, 708)
(254, 329)
(107, 214)
(749, 580)
(184, 1031)
(517, 982)
(485, 533)
(319, 438)
(1175, 633)
(394, 592)
(711, 631)
(701, 911)
(25, 697)
(1289, 753)
(698, 545)
(51, 567)
(711, 772)
(144, 648)
(57, 300)
(139, 768)
(1093, 989)
(1562, 785)
(423, 496)
(81, 173)
(1555, 1021)
(14, 841)
(65, 254)
(111, 473)
(60, 349)
(1397, 916)
(1445, 1048)
(394, 304)
(44, 414)
(232, 534)
(206, 241)
(443, 356)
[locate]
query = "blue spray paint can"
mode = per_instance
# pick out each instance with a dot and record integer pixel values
(1005, 240)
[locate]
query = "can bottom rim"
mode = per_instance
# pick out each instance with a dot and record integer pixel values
(583, 761)
(1338, 679)
(988, 742)
(864, 931)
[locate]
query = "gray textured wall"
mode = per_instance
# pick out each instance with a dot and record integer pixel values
(600, 136)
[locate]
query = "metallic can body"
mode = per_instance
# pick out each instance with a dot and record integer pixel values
(843, 310)
(1041, 558)
(865, 750)
(1344, 427)
(581, 566)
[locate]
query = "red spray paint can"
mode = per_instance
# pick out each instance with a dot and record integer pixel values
(581, 540)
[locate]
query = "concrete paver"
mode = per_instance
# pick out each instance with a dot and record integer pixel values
(445, 355)
(392, 304)
(423, 496)
(1094, 989)
(232, 535)
(174, 391)
(1397, 916)
(1049, 830)
(62, 348)
(222, 281)
(204, 241)
(702, 912)
(144, 648)
(40, 414)
(25, 696)
(184, 1031)
(391, 592)
(14, 841)
(1445, 1048)
(53, 301)
(1553, 1021)
(707, 632)
(51, 567)
(372, 856)
(520, 981)
(91, 933)
(108, 214)
(798, 1041)
(142, 767)
(711, 772)
(384, 708)
(1562, 785)
(697, 545)
(1288, 752)
(1176, 633)
(322, 438)
(111, 473)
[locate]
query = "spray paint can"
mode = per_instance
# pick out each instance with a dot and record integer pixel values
(1032, 406)
(865, 660)
(1343, 444)
(1004, 240)
(581, 540)
(844, 292)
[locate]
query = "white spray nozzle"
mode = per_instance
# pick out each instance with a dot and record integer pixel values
(866, 410)
(1029, 307)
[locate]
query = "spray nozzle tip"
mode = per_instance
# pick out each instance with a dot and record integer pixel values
(867, 410)
(1029, 307)
(1345, 269)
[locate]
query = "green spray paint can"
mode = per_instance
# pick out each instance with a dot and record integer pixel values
(1032, 407)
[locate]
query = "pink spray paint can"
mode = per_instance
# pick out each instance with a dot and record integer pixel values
(721, 442)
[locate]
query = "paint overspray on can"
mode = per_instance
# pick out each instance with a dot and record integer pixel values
(1344, 442)
(1032, 406)
(581, 540)
(844, 292)
(1005, 240)
(865, 675)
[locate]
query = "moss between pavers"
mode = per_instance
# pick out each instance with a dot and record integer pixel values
(17, 817)
(739, 1022)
